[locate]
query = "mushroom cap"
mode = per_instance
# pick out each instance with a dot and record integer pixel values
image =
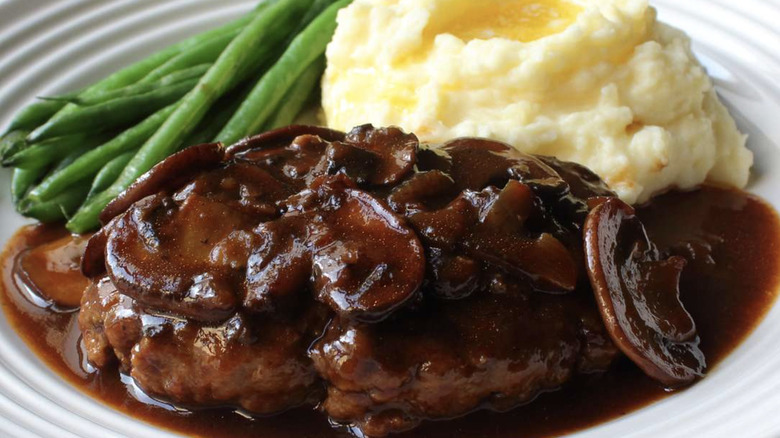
(168, 174)
(637, 292)
(395, 149)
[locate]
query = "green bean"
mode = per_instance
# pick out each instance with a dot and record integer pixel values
(38, 113)
(258, 69)
(304, 49)
(109, 173)
(313, 12)
(214, 120)
(47, 152)
(58, 208)
(297, 97)
(174, 78)
(206, 53)
(34, 115)
(34, 209)
(22, 180)
(292, 100)
(91, 162)
(117, 113)
(12, 143)
(70, 158)
(217, 116)
(137, 71)
(86, 217)
(65, 97)
(265, 31)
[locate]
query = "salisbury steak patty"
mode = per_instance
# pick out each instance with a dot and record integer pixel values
(386, 281)
(258, 364)
(496, 349)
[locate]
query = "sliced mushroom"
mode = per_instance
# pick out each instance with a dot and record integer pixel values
(564, 189)
(279, 267)
(366, 261)
(584, 190)
(433, 158)
(423, 191)
(501, 238)
(160, 254)
(295, 163)
(454, 276)
(544, 259)
(282, 137)
(637, 291)
(447, 227)
(478, 163)
(93, 262)
(583, 183)
(169, 175)
(186, 252)
(357, 163)
(489, 225)
(243, 187)
(507, 211)
(397, 151)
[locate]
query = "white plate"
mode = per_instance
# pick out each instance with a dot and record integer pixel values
(50, 47)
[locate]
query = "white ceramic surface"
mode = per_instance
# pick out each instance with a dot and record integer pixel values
(54, 46)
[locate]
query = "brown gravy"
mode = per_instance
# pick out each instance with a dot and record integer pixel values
(732, 237)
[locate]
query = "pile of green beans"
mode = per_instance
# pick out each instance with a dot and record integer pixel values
(72, 154)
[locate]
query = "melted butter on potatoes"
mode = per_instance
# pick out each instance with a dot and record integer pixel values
(599, 82)
(521, 20)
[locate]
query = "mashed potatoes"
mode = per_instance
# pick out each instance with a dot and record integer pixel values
(599, 82)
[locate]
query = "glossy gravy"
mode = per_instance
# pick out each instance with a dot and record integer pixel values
(731, 238)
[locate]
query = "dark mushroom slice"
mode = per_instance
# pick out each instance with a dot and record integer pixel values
(585, 191)
(478, 163)
(454, 276)
(241, 186)
(544, 259)
(583, 183)
(502, 239)
(490, 225)
(447, 227)
(431, 157)
(197, 239)
(169, 174)
(637, 291)
(366, 261)
(295, 163)
(397, 151)
(282, 137)
(280, 265)
(428, 190)
(564, 189)
(357, 163)
(180, 258)
(507, 211)
(93, 262)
